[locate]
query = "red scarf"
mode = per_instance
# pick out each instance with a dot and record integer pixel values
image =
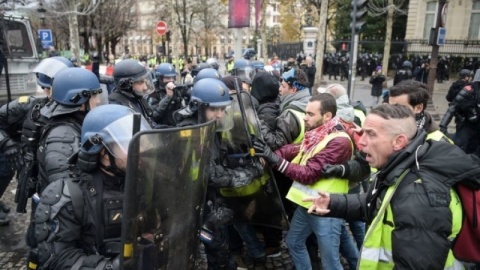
(315, 136)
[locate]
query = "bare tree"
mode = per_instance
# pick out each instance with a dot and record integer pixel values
(391, 8)
(185, 11)
(208, 21)
(71, 9)
(110, 21)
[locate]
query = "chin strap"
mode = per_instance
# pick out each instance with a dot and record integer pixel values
(112, 168)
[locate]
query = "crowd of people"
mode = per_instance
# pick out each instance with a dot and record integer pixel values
(377, 189)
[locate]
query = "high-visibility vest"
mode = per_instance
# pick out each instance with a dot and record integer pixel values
(299, 115)
(230, 66)
(377, 253)
(437, 135)
(299, 191)
(361, 116)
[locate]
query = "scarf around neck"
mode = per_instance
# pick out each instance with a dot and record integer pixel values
(316, 135)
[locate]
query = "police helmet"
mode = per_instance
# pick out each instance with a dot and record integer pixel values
(207, 73)
(211, 92)
(128, 71)
(109, 126)
(465, 73)
(241, 64)
(165, 70)
(50, 66)
(213, 62)
(74, 60)
(74, 86)
(44, 81)
(199, 67)
(258, 65)
(406, 64)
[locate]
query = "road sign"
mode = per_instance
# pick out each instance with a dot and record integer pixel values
(46, 38)
(161, 28)
(442, 33)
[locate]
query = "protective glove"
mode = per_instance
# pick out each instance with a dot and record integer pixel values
(444, 130)
(263, 150)
(13, 152)
(329, 171)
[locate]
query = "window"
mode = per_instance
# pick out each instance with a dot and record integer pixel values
(474, 28)
(429, 18)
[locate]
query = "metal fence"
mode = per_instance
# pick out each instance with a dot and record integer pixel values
(285, 50)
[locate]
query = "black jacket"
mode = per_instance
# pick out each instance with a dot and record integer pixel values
(137, 104)
(70, 236)
(423, 220)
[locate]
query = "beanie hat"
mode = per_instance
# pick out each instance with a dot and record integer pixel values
(265, 87)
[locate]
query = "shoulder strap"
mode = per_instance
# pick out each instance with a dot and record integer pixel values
(77, 198)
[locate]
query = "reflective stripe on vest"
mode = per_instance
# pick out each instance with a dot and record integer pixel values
(299, 191)
(230, 66)
(360, 114)
(299, 116)
(376, 252)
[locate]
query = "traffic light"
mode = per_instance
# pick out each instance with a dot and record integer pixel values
(358, 16)
(168, 35)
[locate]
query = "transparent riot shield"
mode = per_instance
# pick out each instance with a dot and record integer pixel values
(164, 197)
(258, 203)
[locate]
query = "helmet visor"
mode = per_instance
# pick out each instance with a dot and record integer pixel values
(144, 85)
(50, 67)
(119, 133)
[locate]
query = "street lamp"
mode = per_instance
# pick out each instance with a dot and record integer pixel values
(41, 11)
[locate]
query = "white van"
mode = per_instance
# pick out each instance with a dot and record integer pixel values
(17, 43)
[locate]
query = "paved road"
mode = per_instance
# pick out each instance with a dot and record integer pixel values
(13, 250)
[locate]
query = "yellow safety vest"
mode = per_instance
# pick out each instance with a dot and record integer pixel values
(299, 191)
(377, 253)
(438, 136)
(299, 115)
(230, 66)
(359, 113)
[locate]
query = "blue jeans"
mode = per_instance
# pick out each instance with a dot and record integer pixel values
(358, 232)
(327, 231)
(248, 233)
(348, 249)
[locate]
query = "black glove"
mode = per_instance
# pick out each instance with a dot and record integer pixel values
(13, 152)
(263, 150)
(444, 130)
(329, 171)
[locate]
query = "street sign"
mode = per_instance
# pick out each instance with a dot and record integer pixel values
(46, 38)
(161, 28)
(442, 33)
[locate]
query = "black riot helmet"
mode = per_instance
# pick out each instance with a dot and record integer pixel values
(129, 71)
(465, 73)
(407, 64)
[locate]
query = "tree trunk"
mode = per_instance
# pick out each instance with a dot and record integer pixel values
(322, 28)
(388, 37)
(74, 40)
(263, 31)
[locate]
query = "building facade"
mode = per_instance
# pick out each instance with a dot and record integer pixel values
(462, 23)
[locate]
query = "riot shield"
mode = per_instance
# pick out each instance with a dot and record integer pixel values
(165, 192)
(258, 203)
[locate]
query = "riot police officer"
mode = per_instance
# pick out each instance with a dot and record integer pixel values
(243, 69)
(464, 77)
(19, 124)
(165, 100)
(75, 216)
(404, 73)
(132, 84)
(210, 97)
(213, 63)
(465, 108)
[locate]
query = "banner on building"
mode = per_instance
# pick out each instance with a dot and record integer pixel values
(238, 13)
